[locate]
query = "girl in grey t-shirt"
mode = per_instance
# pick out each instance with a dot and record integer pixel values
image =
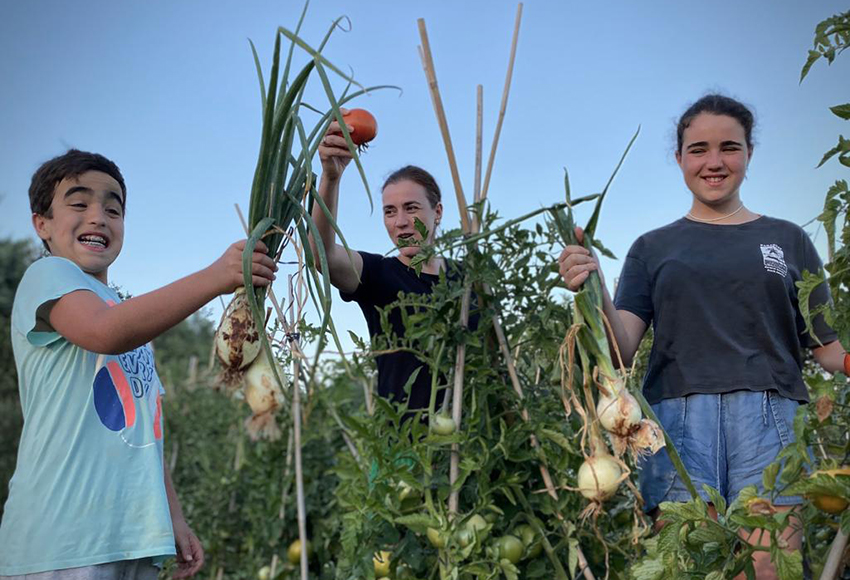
(718, 287)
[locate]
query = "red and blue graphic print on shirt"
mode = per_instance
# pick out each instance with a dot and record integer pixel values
(127, 396)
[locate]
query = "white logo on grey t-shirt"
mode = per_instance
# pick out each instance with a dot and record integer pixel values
(774, 259)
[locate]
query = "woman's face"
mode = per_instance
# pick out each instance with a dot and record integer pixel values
(714, 158)
(403, 202)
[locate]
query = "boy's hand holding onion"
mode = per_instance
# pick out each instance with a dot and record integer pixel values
(227, 270)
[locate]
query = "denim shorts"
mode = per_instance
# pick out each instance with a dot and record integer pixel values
(725, 441)
(141, 569)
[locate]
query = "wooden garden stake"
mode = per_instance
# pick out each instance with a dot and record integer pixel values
(479, 127)
(296, 402)
(292, 338)
(504, 105)
(428, 63)
(457, 390)
(834, 560)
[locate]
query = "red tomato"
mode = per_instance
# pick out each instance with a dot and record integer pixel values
(365, 127)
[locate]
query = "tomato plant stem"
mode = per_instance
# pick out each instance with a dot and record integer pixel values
(547, 547)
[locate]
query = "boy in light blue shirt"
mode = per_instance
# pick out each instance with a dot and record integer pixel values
(91, 498)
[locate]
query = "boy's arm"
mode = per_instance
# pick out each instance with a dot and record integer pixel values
(88, 322)
(190, 553)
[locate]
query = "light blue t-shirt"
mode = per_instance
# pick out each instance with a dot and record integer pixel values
(89, 485)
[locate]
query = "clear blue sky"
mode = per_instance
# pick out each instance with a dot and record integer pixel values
(168, 90)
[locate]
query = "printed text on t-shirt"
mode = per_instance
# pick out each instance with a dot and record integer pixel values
(774, 259)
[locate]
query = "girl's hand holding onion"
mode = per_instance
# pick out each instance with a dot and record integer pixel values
(227, 270)
(576, 263)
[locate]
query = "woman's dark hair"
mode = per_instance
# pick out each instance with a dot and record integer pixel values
(715, 104)
(419, 176)
(69, 165)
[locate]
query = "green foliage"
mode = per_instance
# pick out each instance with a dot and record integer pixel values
(512, 273)
(238, 494)
(832, 37)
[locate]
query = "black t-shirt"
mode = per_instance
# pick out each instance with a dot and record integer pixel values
(380, 282)
(722, 301)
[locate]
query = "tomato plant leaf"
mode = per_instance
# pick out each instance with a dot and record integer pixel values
(718, 500)
(842, 111)
(768, 477)
(789, 564)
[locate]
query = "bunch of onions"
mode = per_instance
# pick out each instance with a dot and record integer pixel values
(618, 410)
(237, 340)
(264, 395)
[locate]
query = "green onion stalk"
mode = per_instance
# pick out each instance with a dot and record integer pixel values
(284, 185)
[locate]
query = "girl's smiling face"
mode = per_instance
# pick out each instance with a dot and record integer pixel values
(713, 158)
(403, 201)
(85, 223)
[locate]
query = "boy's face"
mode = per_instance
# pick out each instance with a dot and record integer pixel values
(87, 222)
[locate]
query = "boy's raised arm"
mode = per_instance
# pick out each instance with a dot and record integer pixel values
(88, 322)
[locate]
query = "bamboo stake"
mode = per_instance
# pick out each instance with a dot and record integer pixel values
(479, 131)
(427, 61)
(457, 391)
(460, 363)
(833, 567)
(507, 89)
(296, 404)
(430, 73)
(479, 124)
(296, 423)
(457, 401)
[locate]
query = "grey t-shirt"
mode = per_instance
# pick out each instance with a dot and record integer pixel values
(722, 301)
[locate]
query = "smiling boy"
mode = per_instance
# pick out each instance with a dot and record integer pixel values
(91, 497)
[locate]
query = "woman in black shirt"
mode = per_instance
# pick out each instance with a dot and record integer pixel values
(374, 281)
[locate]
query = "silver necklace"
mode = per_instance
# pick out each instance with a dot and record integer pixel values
(695, 218)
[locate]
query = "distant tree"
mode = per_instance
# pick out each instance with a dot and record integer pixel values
(15, 257)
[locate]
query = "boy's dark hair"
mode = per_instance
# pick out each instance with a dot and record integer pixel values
(717, 104)
(71, 164)
(419, 176)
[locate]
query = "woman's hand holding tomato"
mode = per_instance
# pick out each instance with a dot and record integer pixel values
(333, 151)
(576, 263)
